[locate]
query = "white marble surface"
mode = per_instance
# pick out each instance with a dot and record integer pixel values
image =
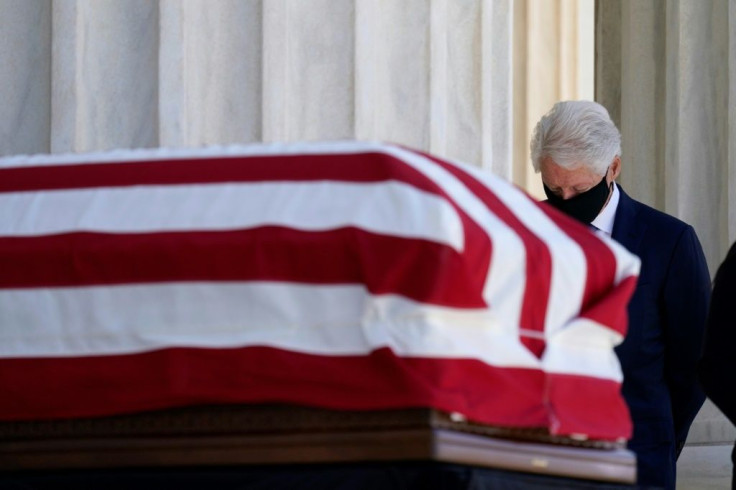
(210, 72)
(711, 426)
(25, 79)
(642, 99)
(497, 82)
(667, 74)
(696, 135)
(64, 86)
(670, 90)
(432, 74)
(105, 67)
(308, 78)
(705, 467)
(402, 71)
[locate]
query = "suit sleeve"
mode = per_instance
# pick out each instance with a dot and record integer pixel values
(718, 367)
(686, 297)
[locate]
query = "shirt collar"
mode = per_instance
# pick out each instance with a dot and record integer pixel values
(604, 220)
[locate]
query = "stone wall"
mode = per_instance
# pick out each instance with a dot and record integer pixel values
(666, 70)
(463, 79)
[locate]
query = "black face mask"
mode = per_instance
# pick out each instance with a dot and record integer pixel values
(586, 205)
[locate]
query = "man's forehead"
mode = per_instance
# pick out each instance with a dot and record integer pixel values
(553, 173)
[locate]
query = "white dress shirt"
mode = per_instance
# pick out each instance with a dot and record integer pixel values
(604, 221)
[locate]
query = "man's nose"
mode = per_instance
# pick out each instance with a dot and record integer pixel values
(568, 193)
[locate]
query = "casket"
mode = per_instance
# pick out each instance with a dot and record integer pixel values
(303, 303)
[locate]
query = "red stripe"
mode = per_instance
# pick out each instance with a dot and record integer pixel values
(611, 310)
(591, 406)
(361, 167)
(538, 258)
(419, 269)
(96, 386)
(80, 258)
(599, 302)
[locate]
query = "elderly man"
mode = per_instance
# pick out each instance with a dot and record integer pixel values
(577, 148)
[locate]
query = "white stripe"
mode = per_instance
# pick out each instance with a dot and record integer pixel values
(324, 320)
(392, 208)
(584, 347)
(569, 269)
(431, 331)
(504, 285)
(328, 320)
(99, 320)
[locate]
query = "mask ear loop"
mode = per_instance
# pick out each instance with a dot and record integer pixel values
(610, 186)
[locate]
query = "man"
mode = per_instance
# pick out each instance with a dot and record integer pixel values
(577, 148)
(718, 366)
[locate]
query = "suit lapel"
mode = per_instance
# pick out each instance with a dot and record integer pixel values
(627, 230)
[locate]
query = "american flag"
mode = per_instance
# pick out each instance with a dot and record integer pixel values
(342, 275)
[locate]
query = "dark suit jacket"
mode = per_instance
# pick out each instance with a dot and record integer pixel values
(660, 354)
(718, 366)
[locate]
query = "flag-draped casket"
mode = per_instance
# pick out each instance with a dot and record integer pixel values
(338, 275)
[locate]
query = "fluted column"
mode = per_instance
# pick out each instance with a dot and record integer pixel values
(432, 74)
(436, 75)
(666, 70)
(25, 80)
(674, 100)
(497, 88)
(553, 60)
(394, 47)
(104, 74)
(210, 70)
(308, 69)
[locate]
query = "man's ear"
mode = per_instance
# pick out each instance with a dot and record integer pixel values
(615, 168)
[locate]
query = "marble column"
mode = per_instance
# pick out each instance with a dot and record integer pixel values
(438, 75)
(553, 60)
(431, 74)
(308, 69)
(210, 58)
(666, 70)
(25, 80)
(104, 90)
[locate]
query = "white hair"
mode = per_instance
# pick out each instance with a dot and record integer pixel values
(574, 132)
